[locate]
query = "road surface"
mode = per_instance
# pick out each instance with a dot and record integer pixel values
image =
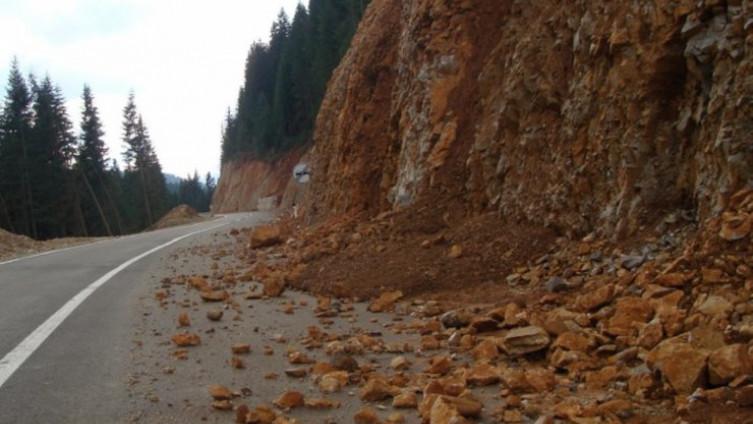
(65, 323)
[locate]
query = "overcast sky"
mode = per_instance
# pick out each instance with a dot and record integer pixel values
(184, 59)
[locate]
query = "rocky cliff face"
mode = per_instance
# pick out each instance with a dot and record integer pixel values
(244, 183)
(601, 115)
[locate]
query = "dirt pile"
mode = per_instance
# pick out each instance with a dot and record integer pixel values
(179, 215)
(14, 245)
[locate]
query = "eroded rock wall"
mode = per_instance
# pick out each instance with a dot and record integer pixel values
(243, 183)
(583, 115)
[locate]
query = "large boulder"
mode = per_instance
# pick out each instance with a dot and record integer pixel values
(265, 236)
(681, 364)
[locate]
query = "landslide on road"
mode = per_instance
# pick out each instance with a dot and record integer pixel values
(584, 170)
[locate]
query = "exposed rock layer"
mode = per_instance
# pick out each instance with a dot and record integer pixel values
(600, 115)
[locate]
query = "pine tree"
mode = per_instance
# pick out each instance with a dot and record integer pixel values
(15, 129)
(91, 166)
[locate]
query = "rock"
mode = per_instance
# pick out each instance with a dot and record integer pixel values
(406, 399)
(345, 362)
(333, 382)
(222, 405)
(377, 389)
(366, 415)
(274, 286)
(220, 392)
(729, 362)
(574, 342)
(214, 314)
(186, 339)
(556, 285)
(521, 341)
(265, 236)
(443, 412)
(400, 363)
(214, 295)
(487, 350)
(241, 349)
(296, 372)
(594, 299)
(184, 320)
(395, 418)
(458, 318)
(321, 404)
(299, 358)
(289, 400)
(716, 306)
(455, 252)
(681, 364)
(484, 324)
(540, 379)
(483, 374)
(385, 301)
(675, 279)
(629, 311)
(439, 365)
(735, 226)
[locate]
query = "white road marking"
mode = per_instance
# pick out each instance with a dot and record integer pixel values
(16, 357)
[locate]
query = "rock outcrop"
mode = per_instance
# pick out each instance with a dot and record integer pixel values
(245, 182)
(600, 115)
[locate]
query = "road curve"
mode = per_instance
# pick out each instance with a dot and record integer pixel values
(71, 367)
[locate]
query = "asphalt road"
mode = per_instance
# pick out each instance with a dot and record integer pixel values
(73, 369)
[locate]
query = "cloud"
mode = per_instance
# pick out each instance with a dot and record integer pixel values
(184, 60)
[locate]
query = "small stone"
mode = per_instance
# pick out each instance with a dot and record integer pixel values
(186, 339)
(214, 314)
(241, 349)
(406, 399)
(296, 372)
(556, 285)
(456, 319)
(400, 363)
(729, 362)
(184, 320)
(366, 415)
(289, 400)
(521, 341)
(265, 236)
(377, 389)
(683, 365)
(214, 295)
(220, 392)
(455, 252)
(385, 301)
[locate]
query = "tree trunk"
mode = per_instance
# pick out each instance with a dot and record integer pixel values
(96, 202)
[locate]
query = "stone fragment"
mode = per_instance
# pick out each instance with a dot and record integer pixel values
(556, 285)
(406, 399)
(458, 318)
(681, 364)
(289, 400)
(439, 365)
(735, 226)
(484, 324)
(222, 405)
(521, 341)
(184, 320)
(483, 374)
(214, 295)
(716, 306)
(296, 372)
(487, 350)
(674, 279)
(400, 363)
(377, 389)
(366, 415)
(591, 300)
(629, 311)
(729, 362)
(455, 252)
(186, 339)
(265, 236)
(214, 314)
(385, 301)
(321, 404)
(241, 349)
(220, 392)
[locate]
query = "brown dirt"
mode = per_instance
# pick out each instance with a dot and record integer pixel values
(15, 245)
(179, 215)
